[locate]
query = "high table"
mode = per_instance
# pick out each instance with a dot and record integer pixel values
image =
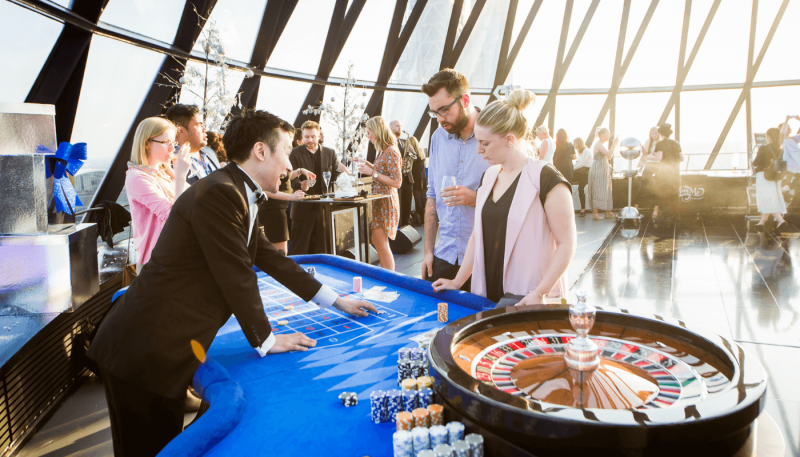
(363, 207)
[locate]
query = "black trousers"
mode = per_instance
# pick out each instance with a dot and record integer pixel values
(406, 191)
(308, 234)
(446, 270)
(580, 178)
(142, 422)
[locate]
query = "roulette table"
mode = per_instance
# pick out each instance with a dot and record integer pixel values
(655, 385)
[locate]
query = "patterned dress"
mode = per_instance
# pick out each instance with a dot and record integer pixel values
(599, 192)
(386, 211)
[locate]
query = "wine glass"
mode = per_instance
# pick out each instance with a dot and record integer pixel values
(311, 182)
(327, 177)
(447, 181)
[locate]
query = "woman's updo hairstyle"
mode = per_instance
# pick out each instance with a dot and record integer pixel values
(507, 115)
(600, 131)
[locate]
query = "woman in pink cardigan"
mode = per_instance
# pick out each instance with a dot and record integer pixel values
(524, 236)
(151, 183)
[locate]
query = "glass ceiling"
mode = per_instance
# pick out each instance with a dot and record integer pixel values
(119, 75)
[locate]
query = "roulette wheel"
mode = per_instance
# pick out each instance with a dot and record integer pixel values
(558, 380)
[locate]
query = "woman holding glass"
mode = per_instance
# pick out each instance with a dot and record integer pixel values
(386, 175)
(524, 235)
(151, 184)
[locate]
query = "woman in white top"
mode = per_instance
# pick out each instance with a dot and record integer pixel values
(580, 171)
(548, 146)
(650, 160)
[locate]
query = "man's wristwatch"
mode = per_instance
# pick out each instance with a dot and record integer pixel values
(375, 175)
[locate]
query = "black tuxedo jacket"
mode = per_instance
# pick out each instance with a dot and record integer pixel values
(199, 273)
(302, 158)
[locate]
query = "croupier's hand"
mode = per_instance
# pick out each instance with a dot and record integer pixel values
(354, 307)
(291, 342)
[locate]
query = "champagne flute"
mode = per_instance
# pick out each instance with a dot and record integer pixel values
(327, 177)
(447, 181)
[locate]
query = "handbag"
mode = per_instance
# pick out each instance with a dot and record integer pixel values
(776, 167)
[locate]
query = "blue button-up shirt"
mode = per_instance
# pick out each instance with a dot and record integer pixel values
(452, 156)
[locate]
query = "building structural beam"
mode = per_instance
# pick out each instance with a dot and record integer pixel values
(273, 23)
(61, 77)
(395, 45)
(751, 74)
(334, 43)
(505, 63)
(562, 65)
(750, 51)
(621, 66)
(189, 29)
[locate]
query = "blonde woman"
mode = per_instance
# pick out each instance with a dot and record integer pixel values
(524, 235)
(650, 160)
(547, 148)
(387, 176)
(599, 195)
(151, 183)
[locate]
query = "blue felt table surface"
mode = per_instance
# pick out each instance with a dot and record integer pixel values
(292, 399)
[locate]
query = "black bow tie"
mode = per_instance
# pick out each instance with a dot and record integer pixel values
(260, 198)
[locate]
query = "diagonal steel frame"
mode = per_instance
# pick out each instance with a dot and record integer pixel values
(751, 74)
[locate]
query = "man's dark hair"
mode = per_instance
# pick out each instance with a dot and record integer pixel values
(454, 82)
(249, 128)
(180, 115)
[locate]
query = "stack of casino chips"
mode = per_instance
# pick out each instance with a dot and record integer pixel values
(443, 450)
(455, 431)
(436, 415)
(402, 444)
(394, 404)
(412, 363)
(421, 440)
(349, 398)
(475, 443)
(378, 407)
(442, 317)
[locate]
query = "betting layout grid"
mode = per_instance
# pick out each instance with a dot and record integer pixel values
(329, 327)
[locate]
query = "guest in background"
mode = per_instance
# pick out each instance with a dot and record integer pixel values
(190, 129)
(525, 236)
(564, 155)
(387, 177)
(420, 183)
(791, 153)
(151, 184)
(307, 224)
(272, 215)
(547, 148)
(298, 138)
(215, 143)
(580, 172)
(669, 171)
(600, 196)
(408, 154)
(650, 160)
(768, 193)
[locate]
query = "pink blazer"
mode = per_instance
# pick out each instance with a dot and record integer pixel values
(150, 202)
(529, 243)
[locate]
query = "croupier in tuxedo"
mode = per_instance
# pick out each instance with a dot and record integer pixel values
(200, 272)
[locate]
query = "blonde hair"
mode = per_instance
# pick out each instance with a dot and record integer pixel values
(147, 129)
(542, 129)
(507, 116)
(383, 134)
(650, 139)
(600, 131)
(581, 145)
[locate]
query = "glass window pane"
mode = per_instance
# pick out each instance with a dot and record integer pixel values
(194, 93)
(722, 57)
(406, 107)
(153, 18)
(770, 105)
(478, 61)
(536, 61)
(577, 113)
(637, 113)
(282, 97)
(423, 53)
(779, 62)
(655, 62)
(238, 22)
(593, 64)
(64, 3)
(111, 96)
(366, 43)
(332, 131)
(29, 38)
(300, 46)
(703, 116)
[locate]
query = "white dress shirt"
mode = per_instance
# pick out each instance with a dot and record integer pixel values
(584, 160)
(324, 298)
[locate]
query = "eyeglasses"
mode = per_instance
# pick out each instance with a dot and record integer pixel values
(442, 111)
(166, 143)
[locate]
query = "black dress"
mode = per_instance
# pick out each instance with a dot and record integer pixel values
(272, 215)
(562, 160)
(669, 175)
(494, 217)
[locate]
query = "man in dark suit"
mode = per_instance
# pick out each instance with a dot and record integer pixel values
(308, 236)
(407, 187)
(199, 273)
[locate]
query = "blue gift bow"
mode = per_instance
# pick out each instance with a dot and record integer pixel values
(68, 159)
